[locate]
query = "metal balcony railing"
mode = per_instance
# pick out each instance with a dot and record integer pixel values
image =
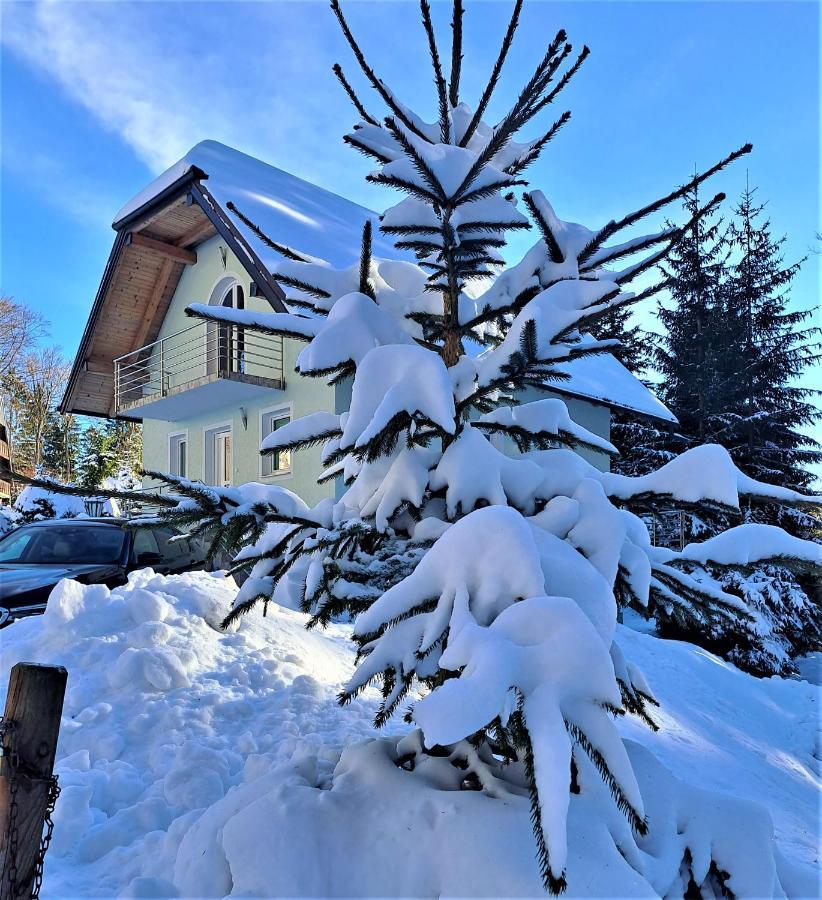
(190, 358)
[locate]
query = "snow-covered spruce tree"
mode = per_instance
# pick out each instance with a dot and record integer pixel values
(484, 584)
(730, 355)
(768, 349)
(685, 354)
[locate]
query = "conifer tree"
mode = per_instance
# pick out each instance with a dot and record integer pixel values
(767, 349)
(62, 446)
(730, 355)
(683, 354)
(488, 580)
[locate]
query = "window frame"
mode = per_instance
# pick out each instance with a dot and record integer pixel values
(209, 431)
(171, 438)
(280, 411)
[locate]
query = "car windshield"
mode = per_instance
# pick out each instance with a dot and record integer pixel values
(58, 544)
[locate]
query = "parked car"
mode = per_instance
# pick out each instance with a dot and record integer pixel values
(33, 558)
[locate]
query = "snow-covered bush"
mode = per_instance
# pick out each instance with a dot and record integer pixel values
(36, 502)
(9, 519)
(484, 584)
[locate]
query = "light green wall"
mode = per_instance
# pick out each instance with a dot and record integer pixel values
(303, 395)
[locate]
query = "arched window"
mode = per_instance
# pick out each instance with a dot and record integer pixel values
(231, 340)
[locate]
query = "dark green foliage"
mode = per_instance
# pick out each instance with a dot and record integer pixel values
(366, 287)
(765, 348)
(61, 447)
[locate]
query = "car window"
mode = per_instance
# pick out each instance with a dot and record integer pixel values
(13, 547)
(63, 543)
(171, 549)
(144, 542)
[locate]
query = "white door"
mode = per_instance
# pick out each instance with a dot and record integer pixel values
(222, 459)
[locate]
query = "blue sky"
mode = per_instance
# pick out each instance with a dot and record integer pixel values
(98, 97)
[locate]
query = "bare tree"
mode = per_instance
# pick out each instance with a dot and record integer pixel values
(33, 387)
(20, 326)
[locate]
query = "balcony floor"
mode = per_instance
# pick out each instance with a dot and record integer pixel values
(197, 397)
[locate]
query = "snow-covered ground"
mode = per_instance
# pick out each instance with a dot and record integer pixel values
(195, 763)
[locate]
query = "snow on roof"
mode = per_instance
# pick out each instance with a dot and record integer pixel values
(320, 223)
(604, 379)
(288, 209)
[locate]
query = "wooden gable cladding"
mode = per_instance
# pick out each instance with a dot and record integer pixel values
(147, 261)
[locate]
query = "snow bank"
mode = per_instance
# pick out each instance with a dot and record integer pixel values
(201, 764)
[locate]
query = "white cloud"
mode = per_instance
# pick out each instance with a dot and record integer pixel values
(163, 79)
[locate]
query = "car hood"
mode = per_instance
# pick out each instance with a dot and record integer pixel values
(18, 579)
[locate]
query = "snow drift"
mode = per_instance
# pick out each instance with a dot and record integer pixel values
(197, 763)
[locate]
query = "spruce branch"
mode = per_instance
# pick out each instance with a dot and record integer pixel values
(301, 285)
(369, 73)
(656, 258)
(363, 148)
(422, 167)
(456, 54)
(522, 740)
(439, 78)
(366, 286)
(352, 96)
(282, 249)
(522, 162)
(617, 225)
(554, 250)
(72, 490)
(563, 82)
(494, 77)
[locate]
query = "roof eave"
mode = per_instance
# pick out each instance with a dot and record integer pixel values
(611, 404)
(169, 193)
(188, 183)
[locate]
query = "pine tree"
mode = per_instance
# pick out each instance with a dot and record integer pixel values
(108, 449)
(730, 355)
(61, 447)
(683, 356)
(768, 347)
(489, 580)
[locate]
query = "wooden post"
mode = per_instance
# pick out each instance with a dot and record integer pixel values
(34, 706)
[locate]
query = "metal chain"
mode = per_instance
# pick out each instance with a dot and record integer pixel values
(51, 800)
(9, 753)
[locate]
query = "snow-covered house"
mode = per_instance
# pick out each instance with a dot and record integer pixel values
(206, 393)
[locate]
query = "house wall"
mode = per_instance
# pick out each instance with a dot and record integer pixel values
(300, 395)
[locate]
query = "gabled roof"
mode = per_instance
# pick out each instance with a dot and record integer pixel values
(286, 208)
(188, 204)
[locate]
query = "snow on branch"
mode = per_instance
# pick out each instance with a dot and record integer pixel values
(283, 324)
(394, 387)
(304, 432)
(539, 423)
(751, 543)
(704, 474)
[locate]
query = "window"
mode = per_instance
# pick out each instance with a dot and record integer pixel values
(278, 462)
(231, 338)
(178, 454)
(172, 550)
(145, 542)
(219, 464)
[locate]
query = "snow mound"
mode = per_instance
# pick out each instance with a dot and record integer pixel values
(198, 763)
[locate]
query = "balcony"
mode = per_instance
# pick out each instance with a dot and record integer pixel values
(201, 368)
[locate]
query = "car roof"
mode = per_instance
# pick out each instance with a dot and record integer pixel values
(100, 520)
